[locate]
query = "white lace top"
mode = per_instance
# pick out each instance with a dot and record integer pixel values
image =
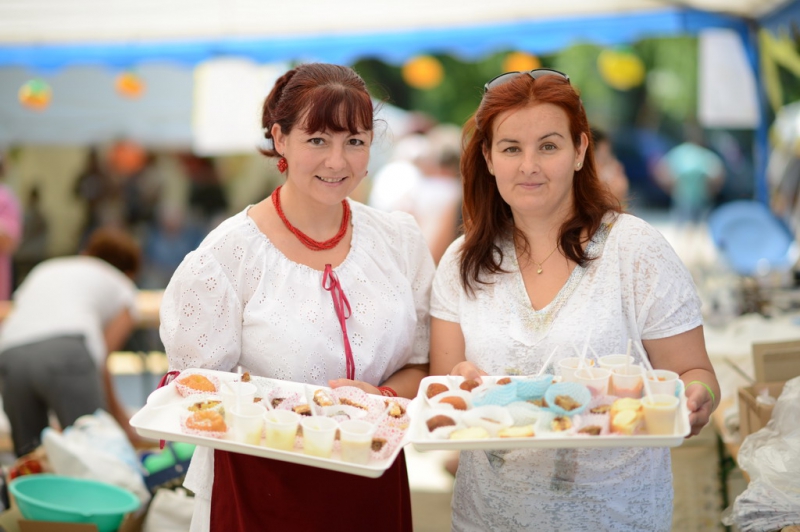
(238, 300)
(637, 288)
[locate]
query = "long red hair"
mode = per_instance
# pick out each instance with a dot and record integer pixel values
(487, 218)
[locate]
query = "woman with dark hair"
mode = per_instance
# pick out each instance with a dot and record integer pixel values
(547, 259)
(69, 313)
(258, 291)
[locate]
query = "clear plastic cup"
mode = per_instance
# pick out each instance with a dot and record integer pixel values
(281, 429)
(567, 366)
(662, 381)
(247, 422)
(596, 379)
(611, 362)
(355, 440)
(235, 393)
(627, 381)
(660, 413)
(318, 435)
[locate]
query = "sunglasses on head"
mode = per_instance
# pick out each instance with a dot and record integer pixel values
(536, 73)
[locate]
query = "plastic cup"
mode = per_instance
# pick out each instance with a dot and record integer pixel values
(281, 429)
(247, 422)
(238, 393)
(567, 366)
(596, 379)
(355, 440)
(627, 381)
(662, 381)
(660, 412)
(318, 435)
(611, 362)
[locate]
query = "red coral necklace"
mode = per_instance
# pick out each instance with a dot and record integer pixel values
(307, 241)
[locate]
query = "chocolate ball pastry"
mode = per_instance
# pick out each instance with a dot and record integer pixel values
(503, 381)
(469, 384)
(439, 421)
(456, 402)
(436, 388)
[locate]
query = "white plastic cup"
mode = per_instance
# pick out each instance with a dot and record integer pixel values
(660, 413)
(627, 381)
(611, 362)
(238, 393)
(596, 379)
(281, 429)
(247, 422)
(355, 440)
(662, 381)
(319, 433)
(567, 366)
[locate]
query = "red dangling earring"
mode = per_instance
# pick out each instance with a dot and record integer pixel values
(282, 164)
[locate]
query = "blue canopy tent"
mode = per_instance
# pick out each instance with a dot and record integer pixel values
(121, 34)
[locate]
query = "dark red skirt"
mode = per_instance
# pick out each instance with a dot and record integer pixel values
(252, 493)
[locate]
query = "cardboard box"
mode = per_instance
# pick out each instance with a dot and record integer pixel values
(776, 361)
(755, 414)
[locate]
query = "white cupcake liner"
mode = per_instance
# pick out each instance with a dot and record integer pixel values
(199, 432)
(588, 420)
(491, 417)
(544, 426)
(524, 413)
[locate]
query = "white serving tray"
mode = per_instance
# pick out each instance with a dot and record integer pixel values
(159, 419)
(420, 436)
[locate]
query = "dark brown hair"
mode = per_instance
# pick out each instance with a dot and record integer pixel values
(327, 97)
(487, 218)
(116, 247)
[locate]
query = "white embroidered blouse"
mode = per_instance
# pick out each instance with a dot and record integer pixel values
(637, 288)
(237, 300)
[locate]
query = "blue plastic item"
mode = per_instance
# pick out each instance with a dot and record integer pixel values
(751, 238)
(73, 500)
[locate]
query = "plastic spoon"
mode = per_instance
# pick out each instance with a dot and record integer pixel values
(547, 361)
(647, 391)
(628, 357)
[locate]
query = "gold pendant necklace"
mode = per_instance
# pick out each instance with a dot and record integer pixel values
(539, 264)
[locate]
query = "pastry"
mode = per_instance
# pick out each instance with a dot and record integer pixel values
(592, 430)
(378, 443)
(456, 402)
(561, 423)
(439, 421)
(206, 421)
(322, 398)
(198, 383)
(246, 376)
(469, 384)
(204, 405)
(303, 410)
(276, 401)
(541, 402)
(471, 433)
(600, 409)
(526, 431)
(395, 408)
(436, 388)
(350, 402)
(504, 380)
(626, 415)
(566, 402)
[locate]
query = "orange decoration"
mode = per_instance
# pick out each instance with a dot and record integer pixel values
(129, 85)
(35, 94)
(423, 72)
(520, 62)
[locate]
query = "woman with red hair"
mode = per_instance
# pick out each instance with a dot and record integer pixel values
(548, 259)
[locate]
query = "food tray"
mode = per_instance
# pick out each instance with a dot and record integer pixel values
(159, 419)
(420, 436)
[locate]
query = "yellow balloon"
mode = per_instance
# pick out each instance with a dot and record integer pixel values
(35, 94)
(129, 85)
(520, 62)
(621, 70)
(423, 72)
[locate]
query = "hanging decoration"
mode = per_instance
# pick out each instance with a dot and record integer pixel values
(520, 62)
(129, 85)
(423, 72)
(621, 68)
(35, 94)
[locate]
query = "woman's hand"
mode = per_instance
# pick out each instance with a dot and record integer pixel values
(338, 383)
(700, 405)
(468, 370)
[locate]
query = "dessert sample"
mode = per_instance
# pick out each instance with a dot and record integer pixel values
(456, 402)
(439, 421)
(436, 388)
(469, 384)
(561, 423)
(471, 433)
(303, 410)
(350, 402)
(204, 405)
(206, 421)
(504, 380)
(322, 398)
(195, 383)
(525, 431)
(246, 376)
(591, 430)
(566, 402)
(541, 402)
(626, 415)
(395, 409)
(600, 409)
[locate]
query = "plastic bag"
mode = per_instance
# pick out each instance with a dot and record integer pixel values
(771, 456)
(96, 447)
(170, 511)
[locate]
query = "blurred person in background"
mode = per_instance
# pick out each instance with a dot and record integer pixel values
(10, 232)
(68, 315)
(33, 245)
(609, 168)
(692, 174)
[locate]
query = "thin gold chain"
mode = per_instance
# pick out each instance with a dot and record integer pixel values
(539, 264)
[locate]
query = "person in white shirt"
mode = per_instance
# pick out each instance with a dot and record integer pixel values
(68, 315)
(548, 260)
